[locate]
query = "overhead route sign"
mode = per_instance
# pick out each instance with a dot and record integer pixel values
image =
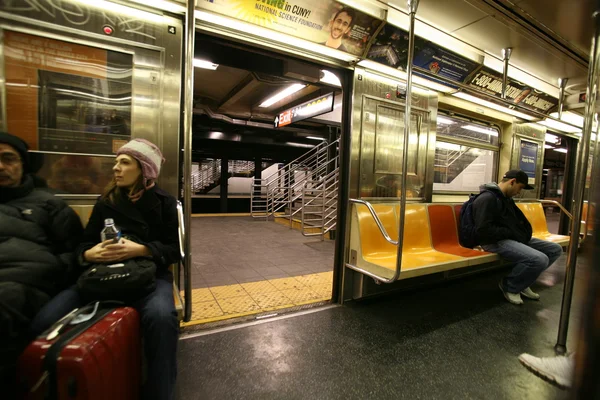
(312, 108)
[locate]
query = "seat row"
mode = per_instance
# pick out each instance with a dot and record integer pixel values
(430, 241)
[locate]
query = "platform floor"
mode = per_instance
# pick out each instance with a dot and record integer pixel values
(244, 266)
(456, 340)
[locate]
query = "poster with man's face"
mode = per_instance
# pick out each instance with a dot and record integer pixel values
(329, 23)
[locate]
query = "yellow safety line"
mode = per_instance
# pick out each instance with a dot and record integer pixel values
(292, 291)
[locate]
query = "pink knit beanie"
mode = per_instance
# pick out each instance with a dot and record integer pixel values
(148, 155)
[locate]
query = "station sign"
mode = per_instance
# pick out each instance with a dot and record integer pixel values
(309, 109)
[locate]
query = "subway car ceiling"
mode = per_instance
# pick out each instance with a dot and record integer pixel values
(545, 47)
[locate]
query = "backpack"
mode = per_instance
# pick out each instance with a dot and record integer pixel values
(467, 235)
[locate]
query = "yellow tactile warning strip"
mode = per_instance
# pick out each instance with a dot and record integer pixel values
(224, 302)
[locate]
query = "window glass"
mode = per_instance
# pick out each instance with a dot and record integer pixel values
(66, 97)
(462, 167)
(466, 130)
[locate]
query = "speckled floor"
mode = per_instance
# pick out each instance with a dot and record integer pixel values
(459, 340)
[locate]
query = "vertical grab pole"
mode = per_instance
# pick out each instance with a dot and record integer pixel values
(188, 107)
(412, 8)
(562, 85)
(580, 175)
(506, 57)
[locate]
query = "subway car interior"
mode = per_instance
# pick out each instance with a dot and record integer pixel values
(321, 154)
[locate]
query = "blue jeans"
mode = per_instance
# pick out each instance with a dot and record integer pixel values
(159, 326)
(530, 260)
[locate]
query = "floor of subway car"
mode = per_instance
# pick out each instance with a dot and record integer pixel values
(457, 340)
(244, 266)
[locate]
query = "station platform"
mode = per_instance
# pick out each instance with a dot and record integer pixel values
(244, 266)
(457, 340)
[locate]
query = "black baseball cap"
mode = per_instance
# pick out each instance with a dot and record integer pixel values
(520, 176)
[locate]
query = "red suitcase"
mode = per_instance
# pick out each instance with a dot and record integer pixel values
(96, 359)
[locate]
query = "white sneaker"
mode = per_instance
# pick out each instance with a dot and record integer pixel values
(514, 298)
(530, 294)
(557, 370)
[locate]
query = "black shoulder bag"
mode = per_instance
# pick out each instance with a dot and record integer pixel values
(127, 280)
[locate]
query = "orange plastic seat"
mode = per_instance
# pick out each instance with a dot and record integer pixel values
(588, 220)
(536, 217)
(444, 234)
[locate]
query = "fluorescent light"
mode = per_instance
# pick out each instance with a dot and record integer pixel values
(547, 146)
(445, 121)
(315, 138)
(447, 146)
(162, 5)
(265, 34)
(417, 80)
(551, 138)
(560, 150)
(550, 123)
(570, 118)
(330, 78)
(121, 9)
(494, 106)
(479, 129)
(290, 90)
(205, 64)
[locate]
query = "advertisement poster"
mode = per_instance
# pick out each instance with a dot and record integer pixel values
(391, 45)
(325, 22)
(61, 98)
(490, 81)
(528, 158)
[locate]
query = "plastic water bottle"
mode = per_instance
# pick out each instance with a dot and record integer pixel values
(110, 231)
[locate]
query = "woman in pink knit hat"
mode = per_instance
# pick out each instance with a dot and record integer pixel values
(144, 212)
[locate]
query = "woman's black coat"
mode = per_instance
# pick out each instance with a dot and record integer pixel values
(152, 220)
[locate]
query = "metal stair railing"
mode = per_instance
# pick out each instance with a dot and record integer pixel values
(285, 196)
(325, 190)
(207, 173)
(268, 194)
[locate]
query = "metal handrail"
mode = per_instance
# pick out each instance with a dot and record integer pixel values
(556, 203)
(323, 187)
(312, 162)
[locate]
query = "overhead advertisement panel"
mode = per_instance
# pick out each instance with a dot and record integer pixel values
(325, 22)
(312, 108)
(391, 45)
(490, 81)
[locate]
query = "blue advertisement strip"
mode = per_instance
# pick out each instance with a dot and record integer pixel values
(390, 48)
(528, 158)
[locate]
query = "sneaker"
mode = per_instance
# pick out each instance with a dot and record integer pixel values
(530, 294)
(514, 298)
(556, 370)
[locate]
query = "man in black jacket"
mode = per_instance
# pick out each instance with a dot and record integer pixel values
(502, 228)
(38, 235)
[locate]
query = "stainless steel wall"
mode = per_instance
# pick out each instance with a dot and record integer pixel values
(155, 42)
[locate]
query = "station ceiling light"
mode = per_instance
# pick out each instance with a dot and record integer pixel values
(288, 91)
(560, 150)
(330, 78)
(444, 121)
(315, 138)
(480, 129)
(198, 63)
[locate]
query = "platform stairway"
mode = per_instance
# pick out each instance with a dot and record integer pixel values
(304, 185)
(207, 175)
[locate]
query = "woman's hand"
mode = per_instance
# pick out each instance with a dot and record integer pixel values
(124, 250)
(97, 253)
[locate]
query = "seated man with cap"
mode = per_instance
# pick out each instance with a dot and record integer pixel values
(502, 228)
(38, 237)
